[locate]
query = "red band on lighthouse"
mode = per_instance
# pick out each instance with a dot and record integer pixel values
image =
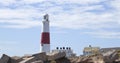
(45, 38)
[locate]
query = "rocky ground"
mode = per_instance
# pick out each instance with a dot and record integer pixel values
(112, 57)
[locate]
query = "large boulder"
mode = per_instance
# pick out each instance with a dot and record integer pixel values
(35, 58)
(55, 56)
(17, 58)
(7, 59)
(40, 56)
(63, 60)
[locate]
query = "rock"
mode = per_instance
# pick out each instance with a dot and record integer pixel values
(63, 60)
(7, 59)
(35, 57)
(38, 61)
(56, 56)
(27, 60)
(17, 58)
(40, 56)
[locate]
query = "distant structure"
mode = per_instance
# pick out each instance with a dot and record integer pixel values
(45, 38)
(67, 50)
(91, 50)
(104, 50)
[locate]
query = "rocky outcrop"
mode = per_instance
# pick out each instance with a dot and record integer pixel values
(60, 57)
(7, 59)
(35, 58)
(55, 56)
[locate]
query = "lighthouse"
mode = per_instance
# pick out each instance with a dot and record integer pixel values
(45, 36)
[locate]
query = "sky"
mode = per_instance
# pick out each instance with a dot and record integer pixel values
(73, 23)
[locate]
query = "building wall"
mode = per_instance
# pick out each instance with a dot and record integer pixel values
(91, 50)
(67, 50)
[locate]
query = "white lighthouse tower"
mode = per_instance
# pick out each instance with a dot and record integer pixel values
(45, 38)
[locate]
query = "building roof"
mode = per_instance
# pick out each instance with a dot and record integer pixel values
(91, 49)
(114, 48)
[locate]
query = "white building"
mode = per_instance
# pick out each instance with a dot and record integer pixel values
(67, 50)
(91, 50)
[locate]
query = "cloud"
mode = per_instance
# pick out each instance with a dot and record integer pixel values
(19, 13)
(80, 15)
(105, 34)
(19, 18)
(115, 4)
(55, 1)
(7, 2)
(84, 20)
(72, 14)
(32, 1)
(20, 24)
(78, 1)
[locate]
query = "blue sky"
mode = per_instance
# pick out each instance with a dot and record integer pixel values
(73, 23)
